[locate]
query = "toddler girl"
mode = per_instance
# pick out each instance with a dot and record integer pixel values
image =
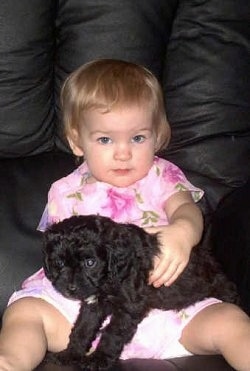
(115, 119)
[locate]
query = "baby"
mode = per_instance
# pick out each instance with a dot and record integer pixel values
(115, 118)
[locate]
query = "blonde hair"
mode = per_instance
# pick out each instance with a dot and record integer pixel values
(107, 84)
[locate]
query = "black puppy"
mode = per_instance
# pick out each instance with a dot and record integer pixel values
(106, 265)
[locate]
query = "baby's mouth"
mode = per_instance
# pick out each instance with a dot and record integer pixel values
(121, 171)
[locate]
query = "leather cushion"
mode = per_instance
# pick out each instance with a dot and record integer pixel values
(207, 85)
(26, 72)
(133, 30)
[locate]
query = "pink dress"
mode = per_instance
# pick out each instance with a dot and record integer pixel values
(141, 204)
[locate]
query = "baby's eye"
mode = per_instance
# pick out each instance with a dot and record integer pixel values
(104, 140)
(138, 139)
(90, 262)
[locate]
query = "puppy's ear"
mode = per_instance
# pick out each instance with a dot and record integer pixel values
(128, 265)
(112, 264)
(119, 257)
(46, 251)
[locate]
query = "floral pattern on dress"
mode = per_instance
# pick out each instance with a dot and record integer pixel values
(119, 204)
(141, 203)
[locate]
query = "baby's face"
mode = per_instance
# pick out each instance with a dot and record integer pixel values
(119, 145)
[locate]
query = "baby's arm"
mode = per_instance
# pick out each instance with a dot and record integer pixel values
(177, 238)
(30, 327)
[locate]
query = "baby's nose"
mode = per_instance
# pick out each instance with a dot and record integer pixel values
(123, 152)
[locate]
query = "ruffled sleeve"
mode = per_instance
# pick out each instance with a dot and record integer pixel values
(61, 198)
(44, 221)
(173, 180)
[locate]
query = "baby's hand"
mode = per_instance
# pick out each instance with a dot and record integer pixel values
(173, 259)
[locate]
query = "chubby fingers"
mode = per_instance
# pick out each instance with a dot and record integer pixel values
(165, 273)
(152, 230)
(155, 274)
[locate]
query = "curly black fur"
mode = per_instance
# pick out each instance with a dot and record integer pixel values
(106, 265)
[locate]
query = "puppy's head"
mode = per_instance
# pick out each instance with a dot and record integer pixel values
(84, 255)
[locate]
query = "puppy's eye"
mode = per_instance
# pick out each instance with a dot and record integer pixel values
(89, 262)
(59, 263)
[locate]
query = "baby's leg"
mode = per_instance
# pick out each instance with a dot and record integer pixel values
(30, 327)
(220, 328)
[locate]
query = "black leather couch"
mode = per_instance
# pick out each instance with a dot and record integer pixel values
(199, 50)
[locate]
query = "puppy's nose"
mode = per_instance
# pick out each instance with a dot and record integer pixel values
(72, 287)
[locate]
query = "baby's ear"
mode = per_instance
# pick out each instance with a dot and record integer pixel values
(158, 144)
(73, 139)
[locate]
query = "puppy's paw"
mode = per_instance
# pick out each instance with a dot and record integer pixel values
(62, 358)
(97, 361)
